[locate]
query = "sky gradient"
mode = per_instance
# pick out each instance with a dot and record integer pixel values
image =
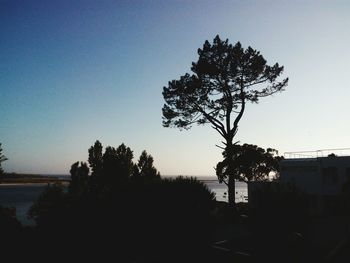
(72, 72)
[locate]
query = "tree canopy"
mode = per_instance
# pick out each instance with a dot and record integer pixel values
(145, 168)
(95, 157)
(114, 165)
(224, 79)
(110, 169)
(250, 163)
(79, 178)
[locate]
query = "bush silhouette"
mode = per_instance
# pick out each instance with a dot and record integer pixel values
(49, 207)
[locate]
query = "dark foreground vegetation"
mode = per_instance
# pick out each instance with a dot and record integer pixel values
(121, 210)
(124, 211)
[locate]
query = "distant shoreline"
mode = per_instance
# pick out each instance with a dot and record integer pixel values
(13, 179)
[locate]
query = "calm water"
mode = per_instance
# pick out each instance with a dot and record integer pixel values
(22, 196)
(220, 190)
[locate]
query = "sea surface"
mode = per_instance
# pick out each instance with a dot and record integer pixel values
(220, 189)
(22, 196)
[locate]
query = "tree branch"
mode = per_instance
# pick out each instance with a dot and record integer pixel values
(222, 148)
(240, 114)
(257, 82)
(219, 131)
(217, 124)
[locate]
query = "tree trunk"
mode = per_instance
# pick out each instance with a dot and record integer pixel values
(231, 175)
(231, 191)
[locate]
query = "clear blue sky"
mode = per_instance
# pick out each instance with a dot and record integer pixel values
(72, 72)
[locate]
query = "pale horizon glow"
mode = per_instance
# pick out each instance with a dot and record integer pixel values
(73, 72)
